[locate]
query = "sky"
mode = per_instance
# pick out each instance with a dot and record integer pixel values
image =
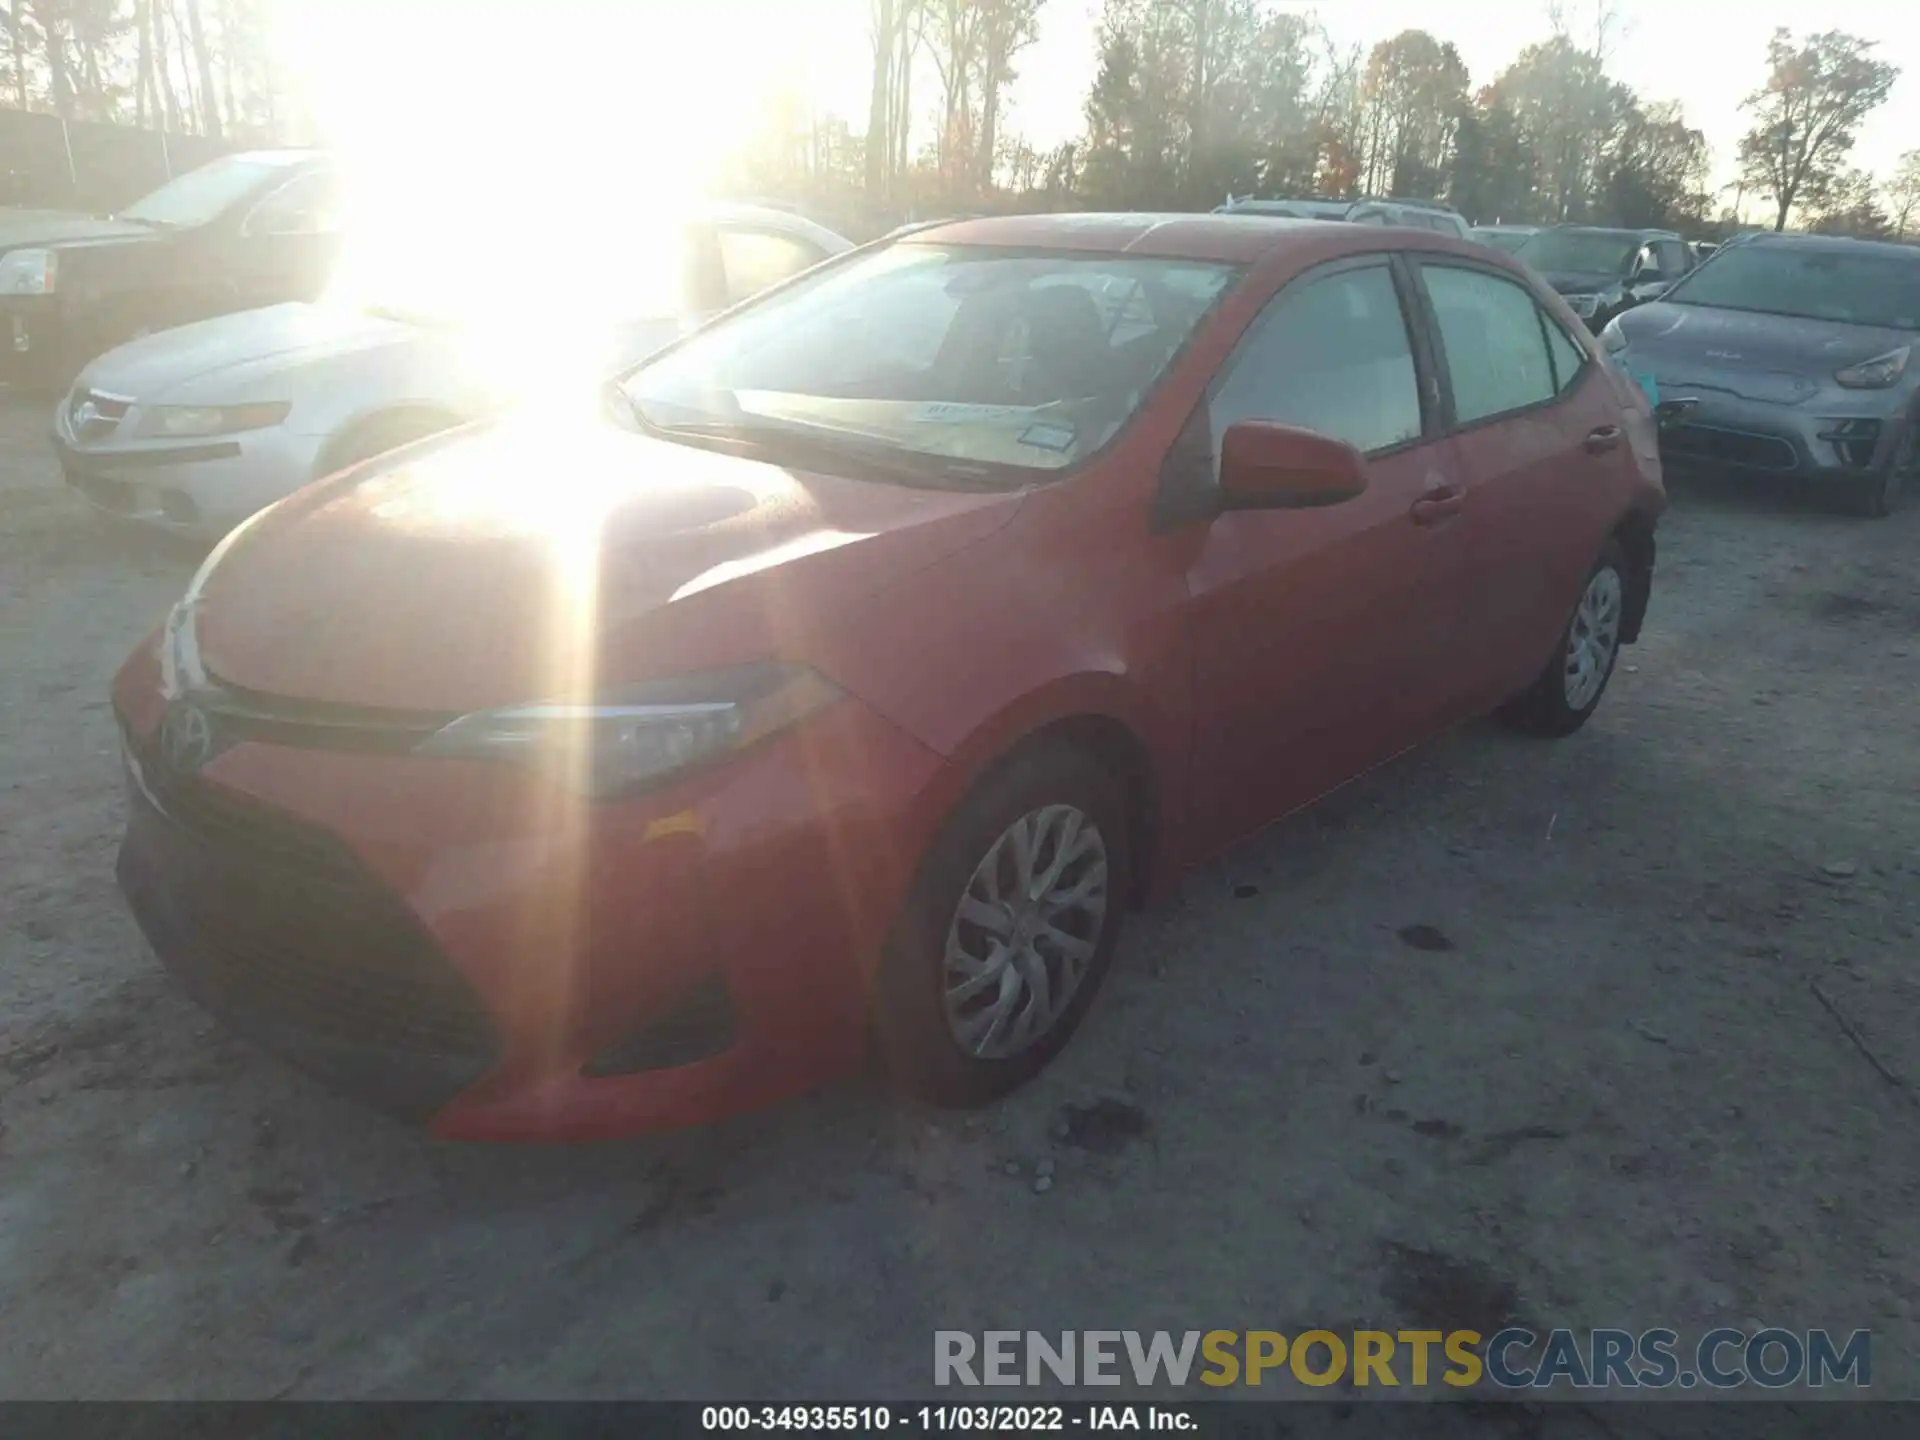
(665, 84)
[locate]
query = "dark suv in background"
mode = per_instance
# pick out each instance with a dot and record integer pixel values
(1603, 272)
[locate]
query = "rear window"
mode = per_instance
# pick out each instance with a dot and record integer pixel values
(1851, 288)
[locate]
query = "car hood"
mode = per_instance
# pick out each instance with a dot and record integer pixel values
(254, 352)
(50, 227)
(1773, 358)
(523, 560)
(247, 347)
(1579, 282)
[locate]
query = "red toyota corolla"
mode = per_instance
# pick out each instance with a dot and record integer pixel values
(880, 646)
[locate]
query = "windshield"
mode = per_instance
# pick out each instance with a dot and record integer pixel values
(956, 364)
(202, 195)
(1581, 252)
(1809, 284)
(1508, 240)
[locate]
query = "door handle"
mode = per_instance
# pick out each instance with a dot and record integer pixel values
(1438, 504)
(1603, 439)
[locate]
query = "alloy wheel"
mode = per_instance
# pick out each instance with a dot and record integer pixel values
(1025, 932)
(1593, 638)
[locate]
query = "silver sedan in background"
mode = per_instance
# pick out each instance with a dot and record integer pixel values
(194, 429)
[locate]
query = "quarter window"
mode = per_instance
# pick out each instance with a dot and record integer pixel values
(1495, 345)
(1329, 355)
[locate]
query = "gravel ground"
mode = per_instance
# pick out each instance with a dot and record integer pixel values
(1508, 1029)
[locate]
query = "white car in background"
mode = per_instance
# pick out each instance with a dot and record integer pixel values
(195, 429)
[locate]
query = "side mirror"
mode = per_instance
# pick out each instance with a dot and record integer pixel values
(1672, 414)
(1276, 467)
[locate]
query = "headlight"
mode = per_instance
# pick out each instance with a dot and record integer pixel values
(620, 741)
(1877, 373)
(28, 272)
(178, 421)
(1613, 338)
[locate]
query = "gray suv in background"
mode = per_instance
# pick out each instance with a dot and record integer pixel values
(1414, 214)
(1797, 355)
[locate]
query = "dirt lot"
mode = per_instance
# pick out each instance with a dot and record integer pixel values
(1598, 1088)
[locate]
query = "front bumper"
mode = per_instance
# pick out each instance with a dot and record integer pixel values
(1833, 436)
(198, 487)
(36, 344)
(458, 940)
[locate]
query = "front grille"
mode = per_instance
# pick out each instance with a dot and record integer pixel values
(1730, 447)
(277, 926)
(93, 414)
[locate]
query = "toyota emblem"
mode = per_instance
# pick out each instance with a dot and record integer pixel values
(186, 738)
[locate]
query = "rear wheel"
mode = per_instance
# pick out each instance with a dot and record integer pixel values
(1568, 690)
(1008, 930)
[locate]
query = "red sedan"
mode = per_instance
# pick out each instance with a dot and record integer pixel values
(876, 649)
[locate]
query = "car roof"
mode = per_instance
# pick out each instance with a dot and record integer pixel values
(1242, 239)
(1841, 244)
(1510, 229)
(1625, 232)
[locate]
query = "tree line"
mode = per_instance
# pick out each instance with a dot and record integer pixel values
(1192, 101)
(195, 67)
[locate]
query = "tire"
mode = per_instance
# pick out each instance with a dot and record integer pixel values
(378, 435)
(1562, 699)
(956, 1054)
(1880, 495)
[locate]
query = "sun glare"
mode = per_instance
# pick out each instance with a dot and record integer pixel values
(516, 168)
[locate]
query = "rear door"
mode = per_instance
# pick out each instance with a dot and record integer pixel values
(1539, 447)
(1322, 639)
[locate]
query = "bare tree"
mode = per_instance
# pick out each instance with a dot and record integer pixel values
(1807, 114)
(1006, 28)
(1903, 193)
(203, 64)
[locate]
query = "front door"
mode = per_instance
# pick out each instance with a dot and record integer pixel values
(285, 247)
(1323, 639)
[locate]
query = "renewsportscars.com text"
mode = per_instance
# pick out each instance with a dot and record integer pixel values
(1513, 1359)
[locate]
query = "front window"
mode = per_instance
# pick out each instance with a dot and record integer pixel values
(1852, 288)
(202, 195)
(1579, 252)
(937, 364)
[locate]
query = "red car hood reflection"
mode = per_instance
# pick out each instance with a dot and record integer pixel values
(521, 562)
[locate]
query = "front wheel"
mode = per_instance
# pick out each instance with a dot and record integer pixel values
(1568, 690)
(1880, 495)
(1008, 930)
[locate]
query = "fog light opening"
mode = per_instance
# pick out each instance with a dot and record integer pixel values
(701, 1026)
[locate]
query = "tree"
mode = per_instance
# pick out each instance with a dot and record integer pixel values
(1491, 172)
(1807, 115)
(1570, 117)
(1657, 171)
(1850, 206)
(1006, 28)
(1903, 194)
(1410, 98)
